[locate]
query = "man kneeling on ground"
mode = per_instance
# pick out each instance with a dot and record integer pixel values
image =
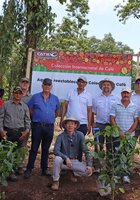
(68, 151)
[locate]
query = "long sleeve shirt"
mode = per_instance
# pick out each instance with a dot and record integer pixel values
(14, 116)
(72, 147)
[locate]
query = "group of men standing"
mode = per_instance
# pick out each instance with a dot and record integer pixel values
(83, 112)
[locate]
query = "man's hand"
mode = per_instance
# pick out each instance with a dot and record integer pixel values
(69, 163)
(3, 134)
(89, 171)
(121, 134)
(25, 134)
(88, 129)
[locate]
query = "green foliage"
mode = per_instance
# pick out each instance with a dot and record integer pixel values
(115, 162)
(127, 9)
(10, 158)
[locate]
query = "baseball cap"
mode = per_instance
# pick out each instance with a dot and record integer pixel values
(17, 88)
(126, 89)
(83, 78)
(47, 81)
(24, 79)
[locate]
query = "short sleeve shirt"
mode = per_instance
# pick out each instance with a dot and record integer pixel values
(78, 103)
(124, 116)
(102, 105)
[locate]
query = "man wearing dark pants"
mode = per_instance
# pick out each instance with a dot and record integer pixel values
(15, 121)
(43, 108)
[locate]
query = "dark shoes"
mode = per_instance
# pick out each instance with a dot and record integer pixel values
(45, 173)
(12, 177)
(27, 174)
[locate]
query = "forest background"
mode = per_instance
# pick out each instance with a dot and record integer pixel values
(32, 24)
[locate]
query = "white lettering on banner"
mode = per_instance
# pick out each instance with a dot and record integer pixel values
(47, 54)
(110, 69)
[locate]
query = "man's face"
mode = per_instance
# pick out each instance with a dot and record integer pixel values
(126, 96)
(17, 95)
(106, 87)
(46, 88)
(70, 126)
(81, 84)
(24, 85)
(137, 86)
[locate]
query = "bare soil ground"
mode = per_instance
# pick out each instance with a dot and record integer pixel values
(38, 187)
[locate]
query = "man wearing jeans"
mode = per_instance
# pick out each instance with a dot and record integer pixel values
(68, 151)
(43, 108)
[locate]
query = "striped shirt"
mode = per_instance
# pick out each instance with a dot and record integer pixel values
(124, 116)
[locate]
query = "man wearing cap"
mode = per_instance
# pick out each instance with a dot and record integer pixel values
(25, 84)
(43, 108)
(78, 103)
(124, 114)
(136, 100)
(15, 120)
(102, 104)
(68, 149)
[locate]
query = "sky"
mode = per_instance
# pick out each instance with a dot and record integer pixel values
(103, 20)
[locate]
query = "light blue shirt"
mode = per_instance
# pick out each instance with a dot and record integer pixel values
(124, 116)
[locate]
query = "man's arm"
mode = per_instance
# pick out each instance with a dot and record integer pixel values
(64, 110)
(133, 127)
(113, 122)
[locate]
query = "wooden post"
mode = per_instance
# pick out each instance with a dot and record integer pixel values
(29, 61)
(138, 66)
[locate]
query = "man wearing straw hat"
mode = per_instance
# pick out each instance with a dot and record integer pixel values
(68, 151)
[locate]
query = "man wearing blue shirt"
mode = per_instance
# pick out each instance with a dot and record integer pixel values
(43, 108)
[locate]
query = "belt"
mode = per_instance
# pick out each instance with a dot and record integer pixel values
(41, 124)
(14, 129)
(104, 124)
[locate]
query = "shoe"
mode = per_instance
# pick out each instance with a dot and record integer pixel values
(27, 174)
(45, 173)
(12, 177)
(55, 185)
(126, 179)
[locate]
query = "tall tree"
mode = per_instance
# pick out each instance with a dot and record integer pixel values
(127, 9)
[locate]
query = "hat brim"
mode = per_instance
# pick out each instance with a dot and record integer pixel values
(66, 120)
(18, 91)
(101, 83)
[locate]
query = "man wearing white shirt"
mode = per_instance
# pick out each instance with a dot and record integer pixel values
(78, 104)
(136, 100)
(102, 104)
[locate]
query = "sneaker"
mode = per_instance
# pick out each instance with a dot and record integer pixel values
(27, 174)
(12, 177)
(55, 185)
(126, 179)
(45, 173)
